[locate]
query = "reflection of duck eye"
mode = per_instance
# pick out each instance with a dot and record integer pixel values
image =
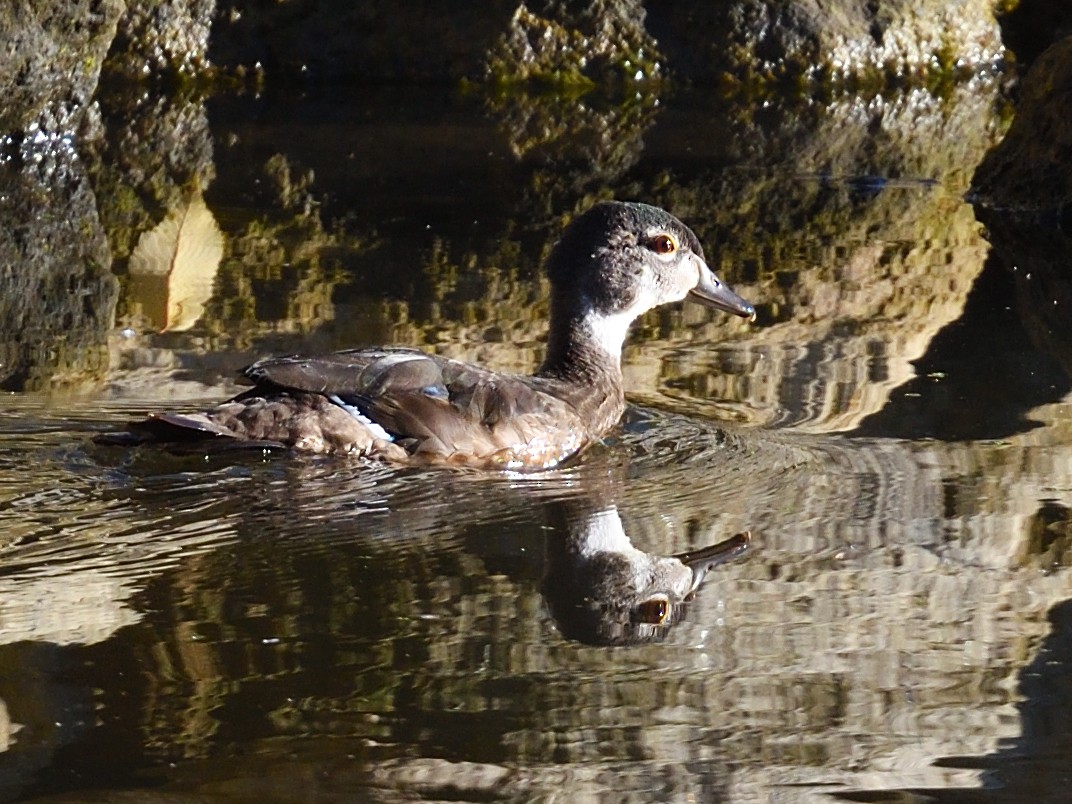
(663, 244)
(653, 612)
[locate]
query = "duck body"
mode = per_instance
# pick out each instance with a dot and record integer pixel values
(404, 406)
(613, 263)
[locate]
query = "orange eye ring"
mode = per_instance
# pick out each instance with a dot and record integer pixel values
(663, 244)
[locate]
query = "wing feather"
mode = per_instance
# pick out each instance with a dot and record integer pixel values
(442, 409)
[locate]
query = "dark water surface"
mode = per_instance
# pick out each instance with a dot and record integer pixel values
(894, 431)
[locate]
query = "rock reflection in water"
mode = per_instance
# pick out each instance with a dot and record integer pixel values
(174, 265)
(407, 619)
(1038, 254)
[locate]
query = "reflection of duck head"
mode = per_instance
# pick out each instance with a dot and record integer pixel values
(602, 590)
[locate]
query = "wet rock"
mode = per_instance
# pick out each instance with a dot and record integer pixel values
(51, 60)
(57, 295)
(1030, 171)
(162, 36)
(367, 42)
(558, 42)
(851, 40)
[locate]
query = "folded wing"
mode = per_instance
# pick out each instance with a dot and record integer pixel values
(436, 408)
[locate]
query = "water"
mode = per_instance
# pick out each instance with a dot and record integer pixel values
(892, 431)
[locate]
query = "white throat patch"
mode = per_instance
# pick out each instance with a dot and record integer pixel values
(609, 331)
(603, 533)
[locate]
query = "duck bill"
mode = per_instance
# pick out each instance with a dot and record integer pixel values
(707, 558)
(713, 292)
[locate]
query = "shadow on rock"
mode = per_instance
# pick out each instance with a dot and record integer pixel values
(1040, 258)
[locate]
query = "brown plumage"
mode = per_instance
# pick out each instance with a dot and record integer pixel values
(612, 264)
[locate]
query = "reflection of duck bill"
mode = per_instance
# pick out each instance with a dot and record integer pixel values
(707, 558)
(602, 590)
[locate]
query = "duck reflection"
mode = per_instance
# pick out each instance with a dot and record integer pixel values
(602, 590)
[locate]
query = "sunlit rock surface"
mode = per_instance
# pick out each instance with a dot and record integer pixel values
(50, 62)
(868, 44)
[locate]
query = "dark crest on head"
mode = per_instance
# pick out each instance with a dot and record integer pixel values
(602, 247)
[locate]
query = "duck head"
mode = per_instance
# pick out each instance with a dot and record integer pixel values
(619, 260)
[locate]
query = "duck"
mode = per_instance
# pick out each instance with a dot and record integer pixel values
(612, 263)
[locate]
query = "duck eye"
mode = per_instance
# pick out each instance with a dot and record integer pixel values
(663, 244)
(653, 612)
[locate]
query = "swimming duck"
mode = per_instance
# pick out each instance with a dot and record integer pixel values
(613, 263)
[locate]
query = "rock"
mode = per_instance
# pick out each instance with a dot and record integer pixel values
(611, 41)
(162, 36)
(50, 62)
(1030, 171)
(897, 42)
(56, 50)
(601, 42)
(57, 295)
